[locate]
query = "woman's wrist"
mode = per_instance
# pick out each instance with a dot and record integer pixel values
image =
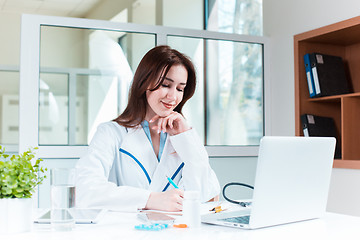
(179, 132)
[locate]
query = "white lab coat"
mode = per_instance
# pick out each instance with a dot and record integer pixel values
(121, 169)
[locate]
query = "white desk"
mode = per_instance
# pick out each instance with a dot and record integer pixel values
(119, 226)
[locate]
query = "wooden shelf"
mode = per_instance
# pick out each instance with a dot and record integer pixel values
(334, 98)
(340, 39)
(353, 164)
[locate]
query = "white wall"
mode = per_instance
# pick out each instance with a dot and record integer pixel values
(173, 14)
(282, 20)
(10, 38)
(235, 169)
(108, 9)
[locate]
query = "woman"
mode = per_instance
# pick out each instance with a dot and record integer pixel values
(130, 158)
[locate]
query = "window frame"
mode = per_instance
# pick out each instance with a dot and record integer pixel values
(30, 65)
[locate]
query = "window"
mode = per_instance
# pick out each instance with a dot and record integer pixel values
(68, 109)
(9, 107)
(234, 102)
(90, 87)
(232, 110)
(84, 79)
(234, 16)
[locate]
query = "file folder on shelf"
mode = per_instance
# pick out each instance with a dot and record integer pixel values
(328, 73)
(318, 126)
(309, 75)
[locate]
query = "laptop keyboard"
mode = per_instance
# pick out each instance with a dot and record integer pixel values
(241, 219)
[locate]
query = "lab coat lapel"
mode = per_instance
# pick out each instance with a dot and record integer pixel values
(137, 144)
(139, 147)
(169, 163)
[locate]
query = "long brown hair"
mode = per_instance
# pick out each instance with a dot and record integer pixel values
(151, 71)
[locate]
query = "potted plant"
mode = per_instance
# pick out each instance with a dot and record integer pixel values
(19, 176)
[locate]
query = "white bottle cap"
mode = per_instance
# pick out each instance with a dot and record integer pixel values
(191, 195)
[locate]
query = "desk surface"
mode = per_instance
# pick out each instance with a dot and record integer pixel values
(118, 226)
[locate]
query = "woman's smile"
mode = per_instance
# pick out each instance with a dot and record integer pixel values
(167, 105)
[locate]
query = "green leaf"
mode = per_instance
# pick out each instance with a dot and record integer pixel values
(18, 175)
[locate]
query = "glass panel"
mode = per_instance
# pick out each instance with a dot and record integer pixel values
(9, 107)
(234, 93)
(53, 108)
(82, 106)
(98, 100)
(235, 16)
(99, 66)
(194, 108)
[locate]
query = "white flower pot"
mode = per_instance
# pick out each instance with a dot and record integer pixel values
(16, 215)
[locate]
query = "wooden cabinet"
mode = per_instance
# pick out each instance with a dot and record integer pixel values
(340, 39)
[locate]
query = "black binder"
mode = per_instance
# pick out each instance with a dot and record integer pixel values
(329, 75)
(317, 126)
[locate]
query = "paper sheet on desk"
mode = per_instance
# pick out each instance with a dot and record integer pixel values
(165, 212)
(225, 206)
(205, 208)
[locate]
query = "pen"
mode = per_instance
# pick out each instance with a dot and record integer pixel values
(172, 182)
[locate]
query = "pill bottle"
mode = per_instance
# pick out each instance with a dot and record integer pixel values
(191, 209)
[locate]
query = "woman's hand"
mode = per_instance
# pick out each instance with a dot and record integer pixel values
(170, 201)
(173, 124)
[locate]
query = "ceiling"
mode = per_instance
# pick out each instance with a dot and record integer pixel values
(66, 8)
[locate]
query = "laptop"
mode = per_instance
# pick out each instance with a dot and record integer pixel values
(291, 183)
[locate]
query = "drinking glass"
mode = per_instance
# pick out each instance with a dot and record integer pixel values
(62, 199)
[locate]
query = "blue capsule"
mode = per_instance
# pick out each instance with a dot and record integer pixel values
(151, 227)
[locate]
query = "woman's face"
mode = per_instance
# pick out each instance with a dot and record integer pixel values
(163, 100)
